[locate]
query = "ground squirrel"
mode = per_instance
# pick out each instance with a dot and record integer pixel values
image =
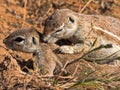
(28, 40)
(85, 32)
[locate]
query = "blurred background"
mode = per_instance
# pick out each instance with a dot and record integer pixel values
(23, 13)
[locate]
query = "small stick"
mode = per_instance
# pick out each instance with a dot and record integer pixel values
(75, 71)
(86, 5)
(24, 17)
(63, 69)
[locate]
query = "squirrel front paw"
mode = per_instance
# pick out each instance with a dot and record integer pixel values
(66, 49)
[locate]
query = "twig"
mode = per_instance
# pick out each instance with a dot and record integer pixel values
(24, 16)
(86, 5)
(27, 80)
(63, 69)
(75, 71)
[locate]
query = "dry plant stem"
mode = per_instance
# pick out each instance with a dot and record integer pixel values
(87, 38)
(67, 77)
(25, 67)
(72, 76)
(75, 71)
(67, 85)
(24, 16)
(26, 81)
(86, 5)
(63, 69)
(76, 60)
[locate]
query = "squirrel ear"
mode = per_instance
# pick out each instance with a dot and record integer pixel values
(71, 19)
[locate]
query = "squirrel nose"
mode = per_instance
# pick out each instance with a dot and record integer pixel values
(45, 40)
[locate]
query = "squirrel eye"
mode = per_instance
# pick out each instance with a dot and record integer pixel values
(71, 19)
(19, 39)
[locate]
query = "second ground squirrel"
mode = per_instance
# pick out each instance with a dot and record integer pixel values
(85, 32)
(28, 40)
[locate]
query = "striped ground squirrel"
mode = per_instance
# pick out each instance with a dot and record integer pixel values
(28, 40)
(85, 32)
